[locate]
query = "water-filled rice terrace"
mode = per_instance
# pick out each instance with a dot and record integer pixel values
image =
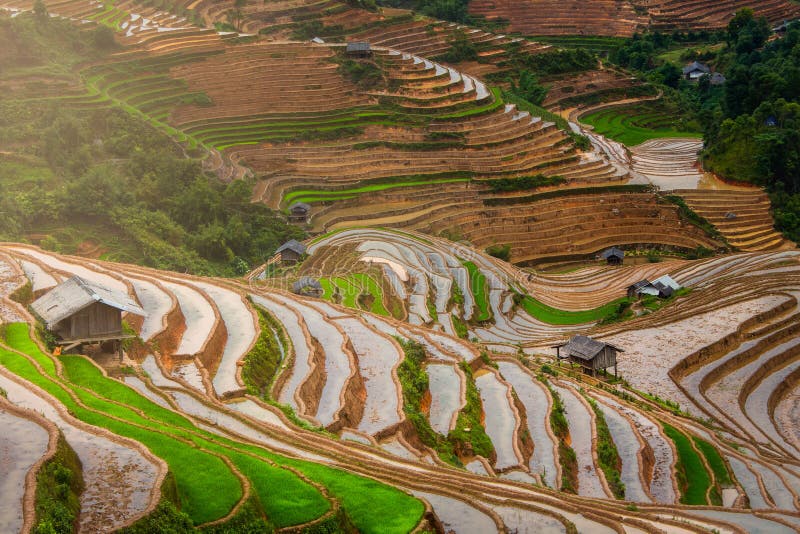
(411, 410)
(418, 391)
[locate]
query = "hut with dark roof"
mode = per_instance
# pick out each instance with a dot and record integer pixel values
(291, 252)
(613, 256)
(308, 286)
(636, 290)
(695, 70)
(590, 354)
(80, 312)
(358, 49)
(298, 212)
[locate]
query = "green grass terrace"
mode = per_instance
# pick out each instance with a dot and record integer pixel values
(202, 462)
(633, 125)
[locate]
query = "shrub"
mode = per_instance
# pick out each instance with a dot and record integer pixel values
(262, 363)
(58, 486)
(523, 183)
(607, 453)
(502, 252)
(23, 295)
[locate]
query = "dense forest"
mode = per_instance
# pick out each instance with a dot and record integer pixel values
(755, 135)
(751, 123)
(108, 179)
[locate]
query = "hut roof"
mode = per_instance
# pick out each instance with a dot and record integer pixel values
(300, 206)
(613, 251)
(305, 283)
(695, 66)
(358, 47)
(717, 78)
(664, 291)
(639, 285)
(584, 347)
(76, 294)
(667, 280)
(294, 246)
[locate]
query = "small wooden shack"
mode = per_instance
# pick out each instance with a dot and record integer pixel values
(308, 286)
(613, 256)
(298, 212)
(589, 353)
(291, 252)
(695, 70)
(358, 49)
(642, 287)
(80, 312)
(663, 287)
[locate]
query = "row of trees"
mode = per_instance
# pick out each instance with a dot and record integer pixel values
(754, 134)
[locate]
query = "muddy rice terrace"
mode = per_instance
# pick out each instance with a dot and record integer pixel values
(510, 289)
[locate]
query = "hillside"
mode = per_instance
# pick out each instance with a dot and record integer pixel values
(622, 18)
(415, 360)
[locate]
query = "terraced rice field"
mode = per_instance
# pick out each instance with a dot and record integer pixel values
(334, 373)
(237, 387)
(633, 125)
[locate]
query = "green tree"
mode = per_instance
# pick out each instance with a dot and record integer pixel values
(40, 10)
(527, 86)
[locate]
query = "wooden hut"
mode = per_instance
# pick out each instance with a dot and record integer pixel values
(298, 212)
(308, 286)
(80, 312)
(695, 70)
(291, 252)
(358, 49)
(643, 287)
(589, 354)
(613, 256)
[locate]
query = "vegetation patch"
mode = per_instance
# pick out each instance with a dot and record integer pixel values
(693, 479)
(722, 476)
(548, 314)
(607, 453)
(523, 183)
(414, 380)
(477, 282)
(558, 423)
(59, 484)
(262, 363)
(311, 196)
(469, 437)
(632, 125)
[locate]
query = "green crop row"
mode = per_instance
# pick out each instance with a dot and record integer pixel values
(206, 486)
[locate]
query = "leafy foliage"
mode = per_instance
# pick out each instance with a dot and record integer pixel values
(461, 49)
(109, 176)
(502, 252)
(262, 363)
(365, 74)
(523, 183)
(59, 484)
(469, 433)
(607, 453)
(566, 455)
(753, 133)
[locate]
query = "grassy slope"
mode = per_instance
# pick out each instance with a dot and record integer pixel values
(350, 287)
(311, 196)
(551, 315)
(628, 125)
(207, 487)
(693, 479)
(477, 282)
